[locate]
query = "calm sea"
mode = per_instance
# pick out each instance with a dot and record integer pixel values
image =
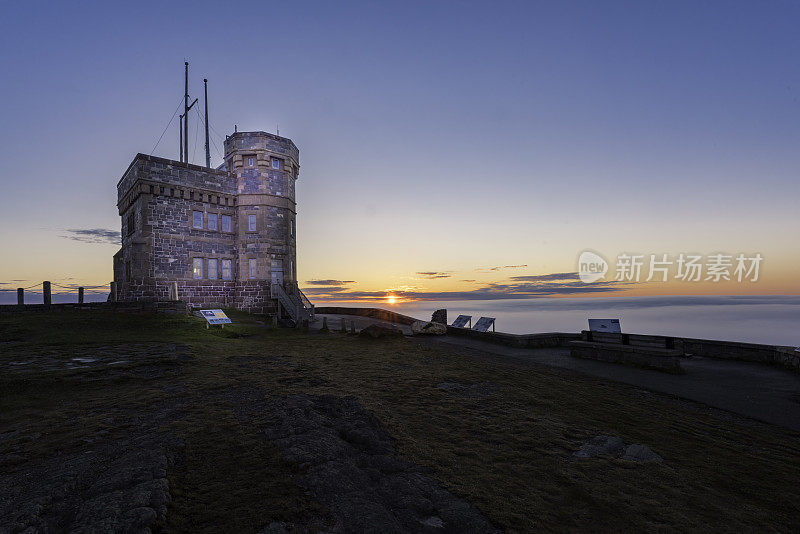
(772, 320)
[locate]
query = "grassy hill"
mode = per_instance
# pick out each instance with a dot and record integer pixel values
(131, 418)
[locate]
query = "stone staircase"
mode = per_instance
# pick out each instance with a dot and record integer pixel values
(293, 302)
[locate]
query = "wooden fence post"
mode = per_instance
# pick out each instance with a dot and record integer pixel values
(80, 295)
(46, 297)
(20, 296)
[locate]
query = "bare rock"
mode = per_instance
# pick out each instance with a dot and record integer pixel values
(613, 446)
(599, 446)
(348, 463)
(431, 328)
(640, 453)
(379, 331)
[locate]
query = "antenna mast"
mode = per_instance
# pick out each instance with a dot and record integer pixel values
(180, 128)
(186, 111)
(185, 116)
(208, 150)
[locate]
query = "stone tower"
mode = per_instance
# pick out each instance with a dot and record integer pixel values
(213, 237)
(266, 167)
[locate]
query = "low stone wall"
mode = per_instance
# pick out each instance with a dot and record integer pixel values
(160, 306)
(666, 360)
(782, 356)
(375, 313)
(531, 341)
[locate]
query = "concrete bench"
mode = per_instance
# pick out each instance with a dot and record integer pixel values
(658, 358)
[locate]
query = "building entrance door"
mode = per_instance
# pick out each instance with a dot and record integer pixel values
(276, 270)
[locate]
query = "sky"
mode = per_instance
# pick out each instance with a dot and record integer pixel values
(447, 150)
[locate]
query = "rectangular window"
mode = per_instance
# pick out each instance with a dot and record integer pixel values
(276, 163)
(226, 223)
(131, 223)
(197, 268)
(291, 227)
(212, 221)
(252, 268)
(251, 223)
(197, 219)
(212, 269)
(226, 269)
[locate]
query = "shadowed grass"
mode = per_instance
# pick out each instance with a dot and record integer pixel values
(508, 450)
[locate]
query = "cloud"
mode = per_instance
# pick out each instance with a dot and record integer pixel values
(492, 291)
(546, 277)
(430, 275)
(94, 235)
(323, 290)
(329, 282)
(499, 268)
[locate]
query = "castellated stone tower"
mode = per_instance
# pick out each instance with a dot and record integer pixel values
(213, 237)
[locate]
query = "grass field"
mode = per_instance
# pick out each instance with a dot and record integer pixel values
(166, 380)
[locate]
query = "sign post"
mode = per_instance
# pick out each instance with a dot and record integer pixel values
(215, 317)
(604, 325)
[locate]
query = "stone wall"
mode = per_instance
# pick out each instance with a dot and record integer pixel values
(666, 360)
(155, 170)
(708, 348)
(375, 313)
(549, 339)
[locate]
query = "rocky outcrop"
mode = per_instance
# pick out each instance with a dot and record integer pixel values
(378, 331)
(612, 446)
(422, 328)
(348, 463)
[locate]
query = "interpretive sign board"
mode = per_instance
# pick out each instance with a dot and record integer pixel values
(215, 316)
(462, 320)
(605, 325)
(483, 324)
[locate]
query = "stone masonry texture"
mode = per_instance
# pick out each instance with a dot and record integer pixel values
(189, 226)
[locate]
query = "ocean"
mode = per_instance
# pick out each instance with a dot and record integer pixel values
(773, 320)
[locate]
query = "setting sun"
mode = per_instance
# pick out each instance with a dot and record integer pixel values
(391, 299)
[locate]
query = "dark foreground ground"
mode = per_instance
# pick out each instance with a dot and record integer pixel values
(129, 422)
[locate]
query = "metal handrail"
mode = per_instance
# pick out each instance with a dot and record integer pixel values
(277, 291)
(305, 302)
(295, 301)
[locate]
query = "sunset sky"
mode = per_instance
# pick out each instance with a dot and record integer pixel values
(448, 150)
